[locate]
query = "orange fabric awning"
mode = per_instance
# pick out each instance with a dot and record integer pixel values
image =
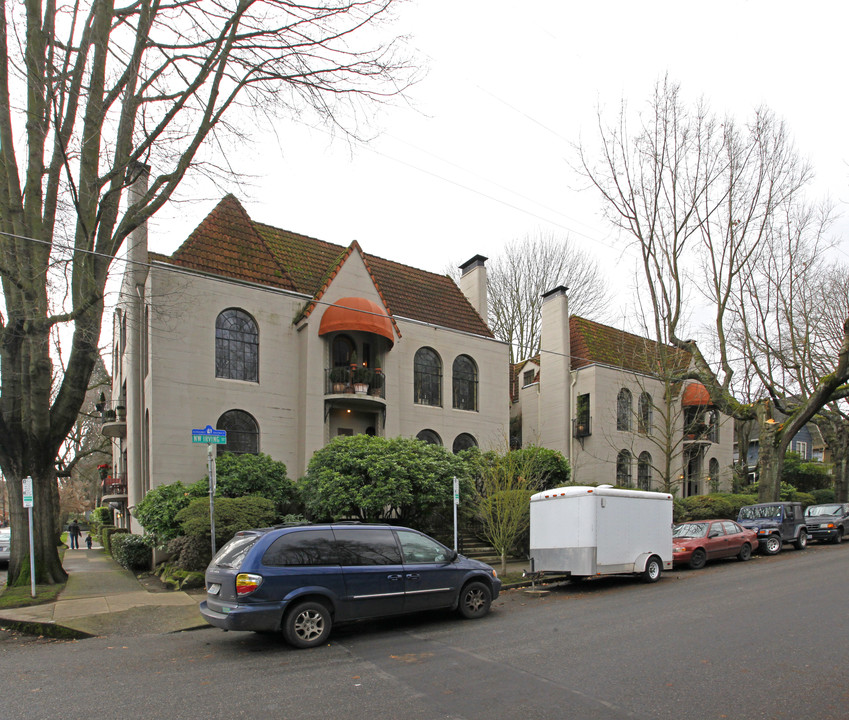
(355, 313)
(696, 395)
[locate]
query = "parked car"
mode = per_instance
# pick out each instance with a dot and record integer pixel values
(5, 542)
(775, 523)
(303, 579)
(696, 542)
(827, 523)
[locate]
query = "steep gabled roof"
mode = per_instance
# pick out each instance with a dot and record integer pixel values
(230, 244)
(227, 244)
(592, 343)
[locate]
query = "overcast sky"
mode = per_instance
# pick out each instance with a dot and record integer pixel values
(483, 155)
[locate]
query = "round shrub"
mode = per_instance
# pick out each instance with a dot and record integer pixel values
(131, 551)
(231, 515)
(823, 496)
(706, 507)
(190, 553)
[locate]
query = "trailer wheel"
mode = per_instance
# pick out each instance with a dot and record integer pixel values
(653, 569)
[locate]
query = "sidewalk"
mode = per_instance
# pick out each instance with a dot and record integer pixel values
(102, 598)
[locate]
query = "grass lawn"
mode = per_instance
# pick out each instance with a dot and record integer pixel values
(13, 597)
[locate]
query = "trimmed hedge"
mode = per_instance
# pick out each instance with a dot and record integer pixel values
(190, 553)
(131, 551)
(106, 533)
(823, 496)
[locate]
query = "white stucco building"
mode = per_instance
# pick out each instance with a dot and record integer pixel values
(595, 393)
(264, 333)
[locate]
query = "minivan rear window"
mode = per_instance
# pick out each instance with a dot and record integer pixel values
(367, 546)
(302, 547)
(233, 553)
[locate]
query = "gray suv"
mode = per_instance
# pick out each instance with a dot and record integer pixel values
(827, 523)
(301, 580)
(775, 523)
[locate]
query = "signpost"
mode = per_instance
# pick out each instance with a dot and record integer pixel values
(210, 436)
(28, 503)
(456, 503)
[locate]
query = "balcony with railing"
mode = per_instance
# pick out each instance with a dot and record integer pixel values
(113, 418)
(115, 488)
(355, 384)
(700, 433)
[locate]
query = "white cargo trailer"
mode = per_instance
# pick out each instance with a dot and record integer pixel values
(587, 531)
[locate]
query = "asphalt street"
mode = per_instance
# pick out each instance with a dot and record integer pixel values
(763, 639)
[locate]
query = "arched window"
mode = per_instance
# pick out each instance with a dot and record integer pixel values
(343, 351)
(427, 377)
(644, 471)
(713, 474)
(236, 346)
(242, 433)
(623, 410)
(713, 426)
(429, 436)
(464, 441)
(465, 374)
(644, 414)
(623, 468)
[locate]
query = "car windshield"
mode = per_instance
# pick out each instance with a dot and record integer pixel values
(759, 512)
(690, 530)
(823, 510)
(233, 553)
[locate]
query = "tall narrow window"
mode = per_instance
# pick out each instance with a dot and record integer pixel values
(343, 350)
(623, 468)
(713, 426)
(236, 346)
(623, 410)
(713, 474)
(644, 414)
(242, 433)
(427, 377)
(644, 471)
(465, 381)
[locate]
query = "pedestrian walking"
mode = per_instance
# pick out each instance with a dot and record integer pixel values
(88, 541)
(74, 533)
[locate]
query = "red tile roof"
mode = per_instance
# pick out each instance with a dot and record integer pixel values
(592, 342)
(230, 244)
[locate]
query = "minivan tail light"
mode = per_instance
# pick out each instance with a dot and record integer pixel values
(246, 583)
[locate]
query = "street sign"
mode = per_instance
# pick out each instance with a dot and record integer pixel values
(209, 435)
(27, 487)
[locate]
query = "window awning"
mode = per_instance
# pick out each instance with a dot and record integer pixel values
(696, 395)
(355, 313)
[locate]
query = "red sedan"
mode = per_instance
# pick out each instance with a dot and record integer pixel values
(696, 542)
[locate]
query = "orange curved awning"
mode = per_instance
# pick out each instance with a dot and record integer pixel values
(696, 395)
(354, 313)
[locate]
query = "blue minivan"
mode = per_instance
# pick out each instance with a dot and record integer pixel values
(302, 579)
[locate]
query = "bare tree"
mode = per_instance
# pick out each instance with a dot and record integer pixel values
(686, 187)
(108, 87)
(525, 269)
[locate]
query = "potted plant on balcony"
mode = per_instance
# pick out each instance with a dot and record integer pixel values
(121, 412)
(103, 470)
(339, 378)
(376, 383)
(362, 377)
(109, 415)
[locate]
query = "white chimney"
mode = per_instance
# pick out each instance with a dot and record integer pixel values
(554, 362)
(473, 284)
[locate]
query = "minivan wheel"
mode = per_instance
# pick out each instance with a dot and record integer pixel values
(772, 545)
(653, 569)
(307, 625)
(474, 600)
(802, 541)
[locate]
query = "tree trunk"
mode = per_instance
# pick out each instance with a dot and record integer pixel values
(503, 562)
(841, 481)
(48, 568)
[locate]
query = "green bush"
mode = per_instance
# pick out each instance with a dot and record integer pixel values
(823, 496)
(242, 475)
(231, 515)
(737, 501)
(706, 507)
(190, 553)
(805, 498)
(106, 533)
(158, 509)
(99, 517)
(679, 511)
(131, 551)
